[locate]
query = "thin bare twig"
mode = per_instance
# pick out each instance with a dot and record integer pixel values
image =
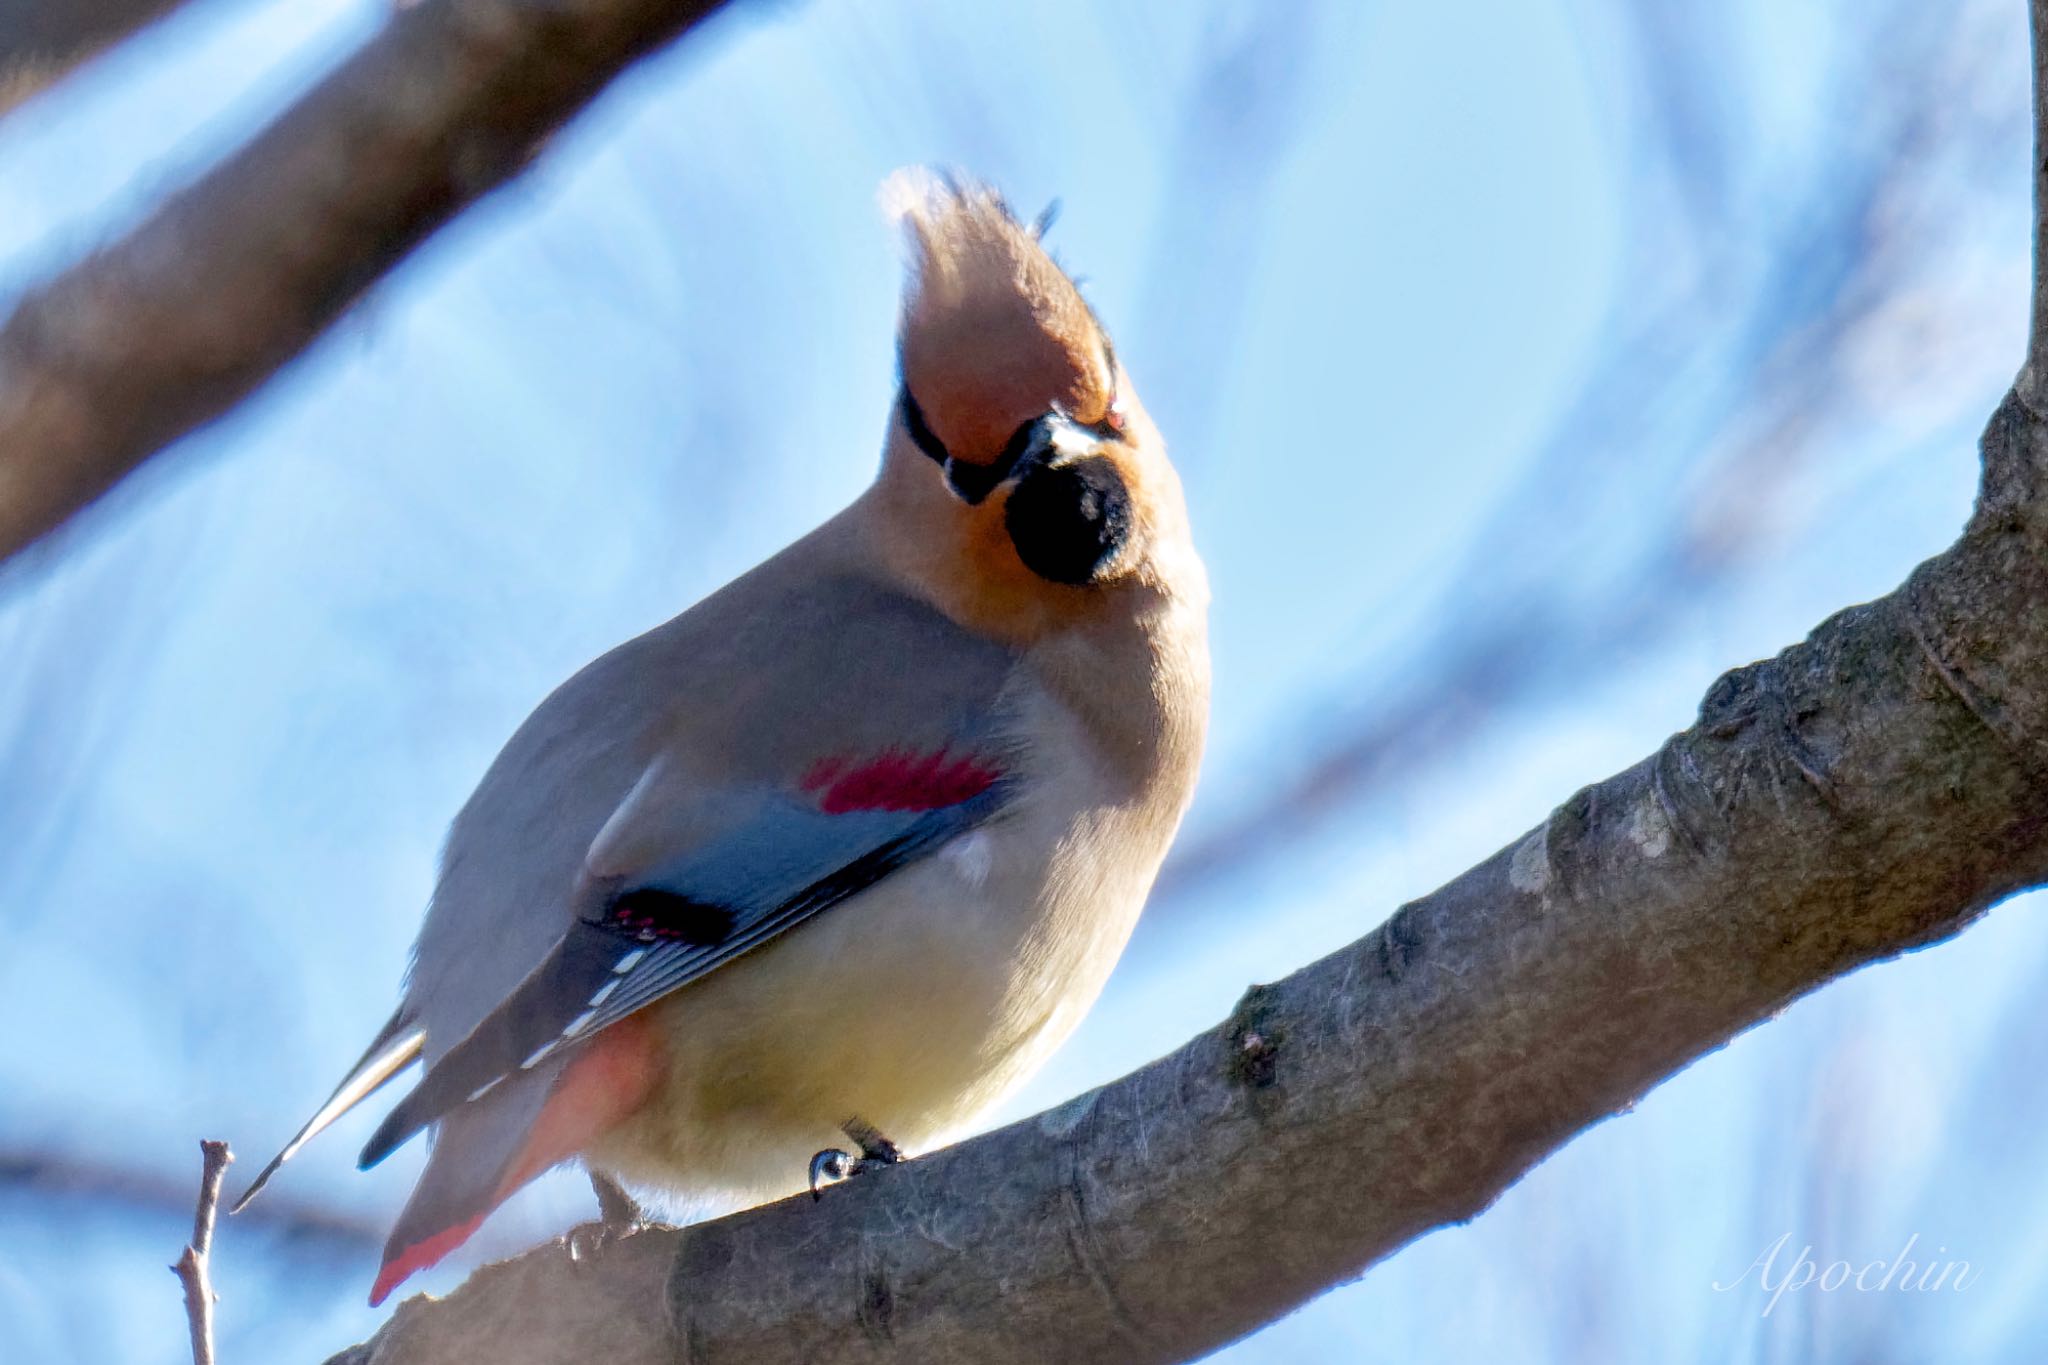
(193, 1268)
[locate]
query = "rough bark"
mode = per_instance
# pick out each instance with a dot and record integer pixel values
(1869, 790)
(168, 328)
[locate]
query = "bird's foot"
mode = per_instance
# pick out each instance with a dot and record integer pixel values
(832, 1165)
(619, 1217)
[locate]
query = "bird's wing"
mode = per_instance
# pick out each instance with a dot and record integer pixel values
(658, 920)
(565, 1054)
(787, 741)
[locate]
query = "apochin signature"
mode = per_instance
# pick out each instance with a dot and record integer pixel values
(1900, 1274)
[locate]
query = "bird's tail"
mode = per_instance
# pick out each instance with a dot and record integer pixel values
(486, 1149)
(396, 1047)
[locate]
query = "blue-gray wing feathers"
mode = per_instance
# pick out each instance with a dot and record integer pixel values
(783, 863)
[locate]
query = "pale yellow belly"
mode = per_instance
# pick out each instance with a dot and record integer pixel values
(912, 1007)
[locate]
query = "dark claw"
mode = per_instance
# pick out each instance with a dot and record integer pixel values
(619, 1216)
(619, 1210)
(829, 1167)
(875, 1150)
(832, 1165)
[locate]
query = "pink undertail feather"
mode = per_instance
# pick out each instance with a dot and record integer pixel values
(898, 781)
(420, 1255)
(600, 1088)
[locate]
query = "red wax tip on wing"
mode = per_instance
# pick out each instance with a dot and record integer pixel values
(418, 1257)
(898, 781)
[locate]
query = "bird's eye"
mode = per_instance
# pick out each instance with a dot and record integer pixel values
(1068, 521)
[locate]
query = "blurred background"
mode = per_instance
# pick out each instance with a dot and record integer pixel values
(1619, 342)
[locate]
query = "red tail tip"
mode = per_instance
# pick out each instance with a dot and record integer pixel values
(417, 1257)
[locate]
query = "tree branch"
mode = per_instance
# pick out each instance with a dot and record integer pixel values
(166, 329)
(36, 30)
(1869, 790)
(194, 1267)
(40, 41)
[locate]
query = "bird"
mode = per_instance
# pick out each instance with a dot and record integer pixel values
(847, 848)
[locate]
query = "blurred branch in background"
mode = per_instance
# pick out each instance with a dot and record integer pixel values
(1227, 145)
(158, 332)
(1678, 507)
(42, 39)
(63, 1177)
(166, 329)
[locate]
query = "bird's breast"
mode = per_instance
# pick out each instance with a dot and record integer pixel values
(914, 1005)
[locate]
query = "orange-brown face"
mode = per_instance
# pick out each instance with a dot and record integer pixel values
(1022, 469)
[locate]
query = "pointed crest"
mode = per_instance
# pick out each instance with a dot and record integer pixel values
(994, 333)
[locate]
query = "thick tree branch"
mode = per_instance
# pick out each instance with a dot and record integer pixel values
(166, 329)
(1869, 790)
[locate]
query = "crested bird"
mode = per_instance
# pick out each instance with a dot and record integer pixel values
(847, 848)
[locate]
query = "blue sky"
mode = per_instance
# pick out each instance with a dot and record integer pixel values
(1528, 366)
